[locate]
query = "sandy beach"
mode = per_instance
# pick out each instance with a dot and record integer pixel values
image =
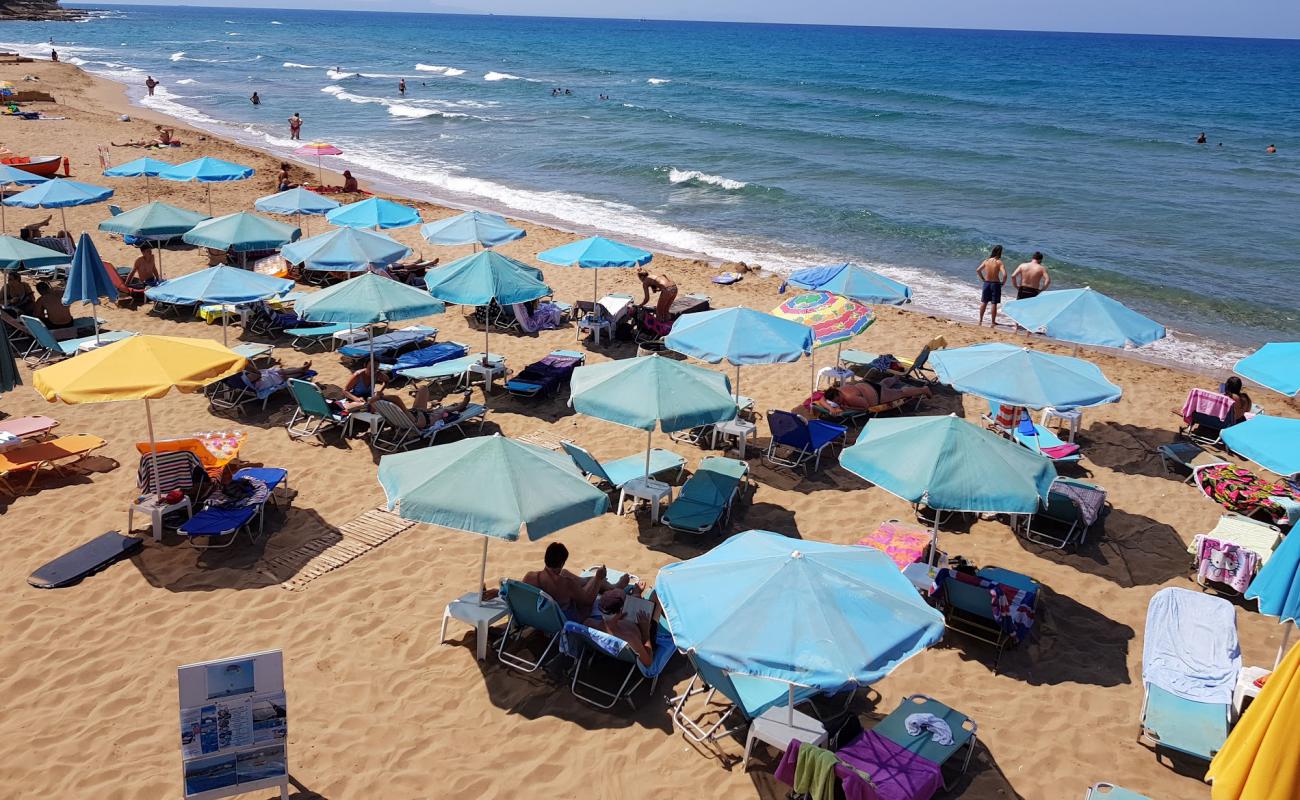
(379, 708)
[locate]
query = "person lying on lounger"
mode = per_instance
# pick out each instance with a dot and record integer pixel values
(639, 633)
(274, 377)
(422, 412)
(862, 396)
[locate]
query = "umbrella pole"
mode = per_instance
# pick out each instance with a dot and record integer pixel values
(153, 449)
(208, 186)
(160, 269)
(649, 437)
(1286, 639)
(371, 333)
(812, 370)
(737, 387)
(320, 175)
(94, 314)
(148, 193)
(63, 215)
(3, 226)
(224, 342)
(790, 707)
(482, 571)
(487, 360)
(595, 296)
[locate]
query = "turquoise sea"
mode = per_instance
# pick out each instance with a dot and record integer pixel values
(784, 146)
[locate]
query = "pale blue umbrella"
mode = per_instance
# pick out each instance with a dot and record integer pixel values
(12, 176)
(492, 486)
(19, 254)
(1272, 442)
(740, 336)
(1017, 376)
(156, 221)
(88, 278)
(1276, 366)
(808, 614)
(473, 227)
(596, 253)
(1277, 589)
(219, 285)
(241, 232)
(140, 168)
(207, 171)
(297, 201)
(374, 212)
(345, 250)
(1084, 316)
(853, 281)
(59, 193)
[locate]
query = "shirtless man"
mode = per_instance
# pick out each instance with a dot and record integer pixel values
(993, 276)
(145, 270)
(639, 633)
(575, 595)
(1031, 278)
(657, 283)
(50, 307)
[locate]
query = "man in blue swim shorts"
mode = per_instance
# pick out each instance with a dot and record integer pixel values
(993, 275)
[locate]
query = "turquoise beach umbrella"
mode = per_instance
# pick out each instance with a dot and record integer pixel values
(808, 614)
(740, 336)
(140, 168)
(345, 250)
(1271, 442)
(296, 201)
(241, 232)
(1276, 366)
(156, 220)
(852, 281)
(59, 193)
(374, 212)
(1277, 588)
(207, 171)
(19, 254)
(12, 176)
(473, 227)
(88, 278)
(1018, 376)
(596, 253)
(220, 285)
(492, 486)
(1084, 316)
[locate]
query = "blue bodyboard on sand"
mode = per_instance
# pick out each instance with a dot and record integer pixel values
(91, 557)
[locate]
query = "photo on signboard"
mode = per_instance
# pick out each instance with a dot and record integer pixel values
(228, 679)
(270, 718)
(206, 774)
(262, 763)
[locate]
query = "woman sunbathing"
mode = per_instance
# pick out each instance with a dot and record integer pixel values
(862, 396)
(421, 412)
(274, 377)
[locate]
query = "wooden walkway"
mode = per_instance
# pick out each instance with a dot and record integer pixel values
(307, 562)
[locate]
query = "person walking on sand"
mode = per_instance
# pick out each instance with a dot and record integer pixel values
(1031, 278)
(295, 126)
(150, 84)
(401, 86)
(993, 276)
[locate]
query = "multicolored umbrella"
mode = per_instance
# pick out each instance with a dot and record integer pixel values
(833, 319)
(318, 149)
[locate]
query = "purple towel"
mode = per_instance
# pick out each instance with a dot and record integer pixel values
(855, 787)
(897, 773)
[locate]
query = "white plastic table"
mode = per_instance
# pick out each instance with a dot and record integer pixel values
(737, 427)
(157, 508)
(472, 610)
(774, 727)
(595, 326)
(646, 489)
(344, 338)
(488, 373)
(1246, 688)
(1072, 417)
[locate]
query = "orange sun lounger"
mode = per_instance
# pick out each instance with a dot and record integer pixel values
(54, 454)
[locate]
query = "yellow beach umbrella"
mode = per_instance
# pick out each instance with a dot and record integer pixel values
(137, 368)
(1261, 759)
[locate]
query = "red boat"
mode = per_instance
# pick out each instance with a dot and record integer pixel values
(45, 166)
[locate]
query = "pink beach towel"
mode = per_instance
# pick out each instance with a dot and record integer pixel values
(1212, 404)
(904, 544)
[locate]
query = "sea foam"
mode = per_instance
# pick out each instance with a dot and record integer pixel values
(658, 81)
(450, 72)
(695, 176)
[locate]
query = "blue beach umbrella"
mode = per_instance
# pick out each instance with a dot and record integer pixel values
(140, 168)
(740, 336)
(219, 285)
(596, 253)
(154, 221)
(10, 378)
(88, 278)
(492, 486)
(1018, 376)
(12, 176)
(473, 227)
(345, 250)
(1276, 366)
(297, 201)
(1277, 588)
(852, 281)
(207, 171)
(1271, 442)
(806, 613)
(59, 193)
(374, 212)
(19, 254)
(1084, 316)
(241, 232)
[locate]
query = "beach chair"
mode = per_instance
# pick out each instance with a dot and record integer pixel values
(904, 543)
(126, 295)
(235, 393)
(705, 500)
(51, 455)
(176, 469)
(263, 320)
(46, 349)
(703, 435)
(530, 609)
(589, 647)
(459, 372)
(34, 428)
(796, 441)
(546, 377)
(399, 431)
(861, 755)
(619, 471)
(1259, 537)
(307, 338)
(1109, 791)
(748, 698)
(313, 412)
(1072, 507)
(1186, 455)
(1016, 424)
(1204, 427)
(389, 344)
(425, 357)
(995, 606)
(215, 523)
(916, 369)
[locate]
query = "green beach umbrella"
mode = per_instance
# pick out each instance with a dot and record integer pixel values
(241, 232)
(18, 254)
(155, 221)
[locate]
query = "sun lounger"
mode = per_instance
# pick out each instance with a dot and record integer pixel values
(34, 428)
(588, 646)
(796, 442)
(1205, 415)
(1072, 508)
(389, 344)
(214, 522)
(399, 431)
(705, 500)
(86, 560)
(235, 393)
(126, 295)
(619, 471)
(749, 699)
(912, 369)
(314, 412)
(904, 543)
(1186, 455)
(253, 351)
(546, 377)
(1016, 424)
(307, 338)
(970, 607)
(52, 455)
(264, 320)
(425, 357)
(530, 609)
(1109, 791)
(459, 371)
(46, 348)
(1259, 537)
(1240, 490)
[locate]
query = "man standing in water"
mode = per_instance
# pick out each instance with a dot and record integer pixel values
(401, 86)
(150, 84)
(1031, 278)
(295, 126)
(993, 276)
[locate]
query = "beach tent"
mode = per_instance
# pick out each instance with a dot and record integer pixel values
(88, 278)
(473, 227)
(853, 281)
(596, 253)
(740, 336)
(1017, 376)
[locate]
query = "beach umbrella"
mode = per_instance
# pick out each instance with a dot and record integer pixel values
(155, 221)
(221, 284)
(366, 300)
(6, 88)
(19, 254)
(140, 168)
(1277, 588)
(345, 250)
(852, 281)
(374, 212)
(473, 227)
(318, 149)
(490, 485)
(652, 390)
(12, 176)
(1084, 316)
(10, 378)
(833, 319)
(1271, 442)
(241, 232)
(1258, 761)
(740, 336)
(207, 171)
(805, 613)
(137, 368)
(1276, 366)
(296, 201)
(59, 193)
(596, 253)
(88, 278)
(1017, 376)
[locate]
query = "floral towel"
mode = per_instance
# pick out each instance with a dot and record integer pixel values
(1238, 489)
(904, 544)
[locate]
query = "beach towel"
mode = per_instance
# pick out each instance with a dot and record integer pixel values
(856, 784)
(939, 731)
(904, 544)
(1012, 608)
(1238, 489)
(1212, 404)
(814, 773)
(8, 441)
(1224, 562)
(547, 317)
(609, 644)
(1090, 500)
(728, 278)
(240, 493)
(1191, 647)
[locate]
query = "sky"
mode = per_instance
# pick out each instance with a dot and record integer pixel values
(1257, 18)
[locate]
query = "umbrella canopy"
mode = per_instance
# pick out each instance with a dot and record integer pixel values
(140, 168)
(318, 149)
(1276, 365)
(13, 176)
(833, 319)
(295, 201)
(852, 281)
(483, 277)
(1018, 376)
(1258, 761)
(472, 227)
(1084, 316)
(59, 193)
(642, 392)
(367, 299)
(18, 254)
(596, 253)
(345, 250)
(950, 465)
(221, 284)
(1271, 442)
(206, 170)
(9, 375)
(137, 368)
(374, 212)
(153, 221)
(739, 336)
(241, 232)
(88, 278)
(803, 612)
(1277, 586)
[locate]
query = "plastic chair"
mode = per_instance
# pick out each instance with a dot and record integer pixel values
(530, 608)
(620, 471)
(316, 414)
(796, 441)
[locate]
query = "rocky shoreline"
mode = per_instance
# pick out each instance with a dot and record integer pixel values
(39, 11)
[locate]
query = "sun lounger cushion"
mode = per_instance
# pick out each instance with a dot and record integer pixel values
(427, 356)
(904, 544)
(39, 454)
(450, 368)
(1188, 726)
(316, 331)
(86, 560)
(27, 427)
(1191, 648)
(389, 342)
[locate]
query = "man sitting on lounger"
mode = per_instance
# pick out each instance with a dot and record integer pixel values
(358, 391)
(52, 310)
(422, 412)
(144, 272)
(575, 595)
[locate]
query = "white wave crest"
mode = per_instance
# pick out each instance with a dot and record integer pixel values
(695, 176)
(453, 72)
(658, 81)
(186, 81)
(295, 65)
(276, 22)
(395, 108)
(506, 76)
(410, 112)
(450, 72)
(178, 55)
(344, 94)
(335, 75)
(234, 34)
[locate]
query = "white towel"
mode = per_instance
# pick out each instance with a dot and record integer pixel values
(940, 733)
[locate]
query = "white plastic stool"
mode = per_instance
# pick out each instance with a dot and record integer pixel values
(1071, 417)
(774, 727)
(472, 610)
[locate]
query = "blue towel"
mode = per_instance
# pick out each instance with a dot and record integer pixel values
(1191, 648)
(611, 645)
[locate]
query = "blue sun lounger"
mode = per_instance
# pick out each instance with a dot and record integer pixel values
(587, 645)
(457, 369)
(314, 412)
(1109, 791)
(45, 348)
(705, 500)
(426, 357)
(306, 339)
(214, 523)
(547, 376)
(530, 608)
(389, 344)
(620, 471)
(749, 697)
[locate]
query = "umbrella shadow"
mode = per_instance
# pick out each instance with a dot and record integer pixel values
(1071, 643)
(745, 516)
(1127, 449)
(1124, 548)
